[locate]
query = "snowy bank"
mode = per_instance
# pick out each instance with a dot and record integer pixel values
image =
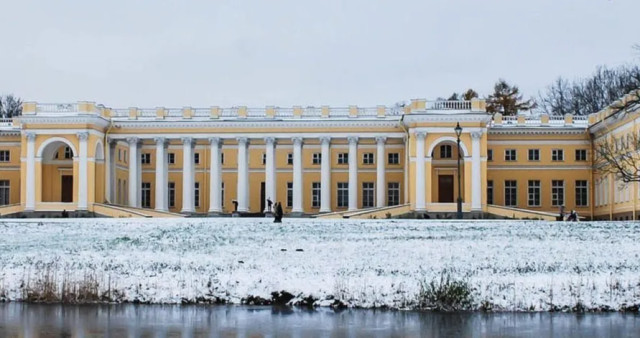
(509, 265)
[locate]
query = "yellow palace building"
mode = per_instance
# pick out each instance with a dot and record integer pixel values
(342, 162)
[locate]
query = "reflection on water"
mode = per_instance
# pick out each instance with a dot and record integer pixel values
(25, 320)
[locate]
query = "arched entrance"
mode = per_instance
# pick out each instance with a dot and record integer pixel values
(444, 171)
(57, 171)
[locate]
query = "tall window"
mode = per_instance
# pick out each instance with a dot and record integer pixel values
(489, 154)
(145, 198)
(125, 195)
(368, 195)
(119, 192)
(146, 158)
(511, 193)
(119, 155)
(557, 192)
(290, 194)
(172, 194)
(489, 192)
(315, 194)
(445, 151)
(196, 158)
(367, 158)
(125, 155)
(68, 154)
(264, 158)
(171, 158)
(317, 158)
(221, 158)
(4, 192)
(5, 156)
(557, 155)
(393, 193)
(533, 199)
(534, 154)
(343, 194)
(222, 194)
(581, 154)
(290, 158)
(510, 155)
(196, 194)
(343, 158)
(393, 158)
(582, 193)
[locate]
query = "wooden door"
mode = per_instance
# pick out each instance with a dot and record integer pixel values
(66, 189)
(445, 188)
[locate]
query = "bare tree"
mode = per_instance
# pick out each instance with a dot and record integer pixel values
(620, 155)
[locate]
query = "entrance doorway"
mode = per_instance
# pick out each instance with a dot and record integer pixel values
(66, 189)
(445, 188)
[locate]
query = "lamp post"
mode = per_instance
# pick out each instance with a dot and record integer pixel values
(458, 130)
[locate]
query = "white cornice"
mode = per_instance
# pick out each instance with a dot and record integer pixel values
(472, 117)
(538, 131)
(56, 120)
(262, 124)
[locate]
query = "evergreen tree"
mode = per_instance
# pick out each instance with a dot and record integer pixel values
(507, 100)
(469, 95)
(10, 106)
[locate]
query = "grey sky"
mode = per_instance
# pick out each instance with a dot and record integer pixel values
(201, 53)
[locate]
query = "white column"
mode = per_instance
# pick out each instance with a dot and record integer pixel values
(353, 173)
(325, 175)
(134, 165)
(215, 185)
(270, 170)
(187, 175)
(83, 193)
(420, 189)
(110, 171)
(162, 198)
(243, 175)
(30, 203)
(476, 186)
(297, 175)
(381, 184)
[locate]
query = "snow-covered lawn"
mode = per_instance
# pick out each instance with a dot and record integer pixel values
(521, 265)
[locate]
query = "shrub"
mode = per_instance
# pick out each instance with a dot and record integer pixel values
(445, 294)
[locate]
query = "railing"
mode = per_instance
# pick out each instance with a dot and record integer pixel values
(536, 121)
(201, 112)
(56, 107)
(284, 112)
(120, 112)
(339, 112)
(6, 122)
(256, 112)
(229, 112)
(448, 105)
(173, 112)
(312, 112)
(147, 113)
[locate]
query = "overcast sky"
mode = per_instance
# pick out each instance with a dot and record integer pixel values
(201, 53)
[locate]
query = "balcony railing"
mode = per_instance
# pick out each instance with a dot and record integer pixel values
(448, 105)
(56, 107)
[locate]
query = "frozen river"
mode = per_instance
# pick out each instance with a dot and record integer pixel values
(25, 320)
(506, 265)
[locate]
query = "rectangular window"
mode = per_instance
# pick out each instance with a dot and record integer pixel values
(557, 193)
(445, 151)
(367, 158)
(343, 158)
(289, 194)
(557, 155)
(68, 154)
(119, 155)
(171, 158)
(145, 197)
(510, 193)
(489, 192)
(317, 158)
(393, 193)
(315, 194)
(146, 158)
(119, 192)
(290, 159)
(125, 195)
(343, 194)
(489, 154)
(581, 154)
(172, 194)
(534, 154)
(582, 193)
(125, 155)
(533, 199)
(510, 155)
(368, 195)
(393, 158)
(264, 158)
(5, 156)
(4, 192)
(222, 194)
(221, 158)
(196, 158)
(196, 194)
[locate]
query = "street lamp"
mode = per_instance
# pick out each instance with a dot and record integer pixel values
(458, 130)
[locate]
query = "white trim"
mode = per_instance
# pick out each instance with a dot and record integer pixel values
(65, 131)
(442, 139)
(544, 167)
(539, 142)
(54, 139)
(260, 135)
